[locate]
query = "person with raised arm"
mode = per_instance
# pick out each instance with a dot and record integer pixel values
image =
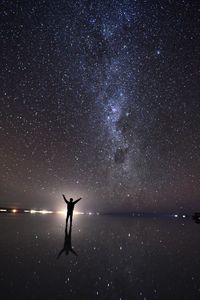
(70, 208)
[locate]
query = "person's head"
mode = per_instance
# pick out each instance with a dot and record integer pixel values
(71, 199)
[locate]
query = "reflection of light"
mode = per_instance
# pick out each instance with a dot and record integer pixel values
(14, 210)
(27, 211)
(3, 210)
(89, 213)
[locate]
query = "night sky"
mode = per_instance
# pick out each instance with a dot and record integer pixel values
(100, 100)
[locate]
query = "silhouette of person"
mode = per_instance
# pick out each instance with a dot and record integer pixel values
(70, 209)
(67, 243)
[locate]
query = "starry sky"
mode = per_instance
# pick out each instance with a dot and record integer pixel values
(100, 100)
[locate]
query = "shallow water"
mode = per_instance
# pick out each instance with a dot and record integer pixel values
(118, 258)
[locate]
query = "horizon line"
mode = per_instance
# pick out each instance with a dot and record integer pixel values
(15, 210)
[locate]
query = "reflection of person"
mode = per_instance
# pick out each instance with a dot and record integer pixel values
(67, 244)
(70, 208)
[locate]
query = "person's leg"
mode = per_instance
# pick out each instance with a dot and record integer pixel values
(67, 219)
(71, 220)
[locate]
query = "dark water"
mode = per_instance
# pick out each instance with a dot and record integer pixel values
(118, 258)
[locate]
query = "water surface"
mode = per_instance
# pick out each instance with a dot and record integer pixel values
(118, 258)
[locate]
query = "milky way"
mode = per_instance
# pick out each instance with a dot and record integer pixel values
(100, 100)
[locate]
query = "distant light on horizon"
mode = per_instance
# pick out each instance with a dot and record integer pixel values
(44, 211)
(61, 212)
(34, 211)
(64, 212)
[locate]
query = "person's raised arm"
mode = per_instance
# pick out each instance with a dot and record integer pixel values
(65, 199)
(77, 200)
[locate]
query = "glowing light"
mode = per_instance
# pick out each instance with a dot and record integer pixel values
(175, 216)
(184, 216)
(79, 213)
(61, 212)
(44, 211)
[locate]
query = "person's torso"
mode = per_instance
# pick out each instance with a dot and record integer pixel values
(70, 206)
